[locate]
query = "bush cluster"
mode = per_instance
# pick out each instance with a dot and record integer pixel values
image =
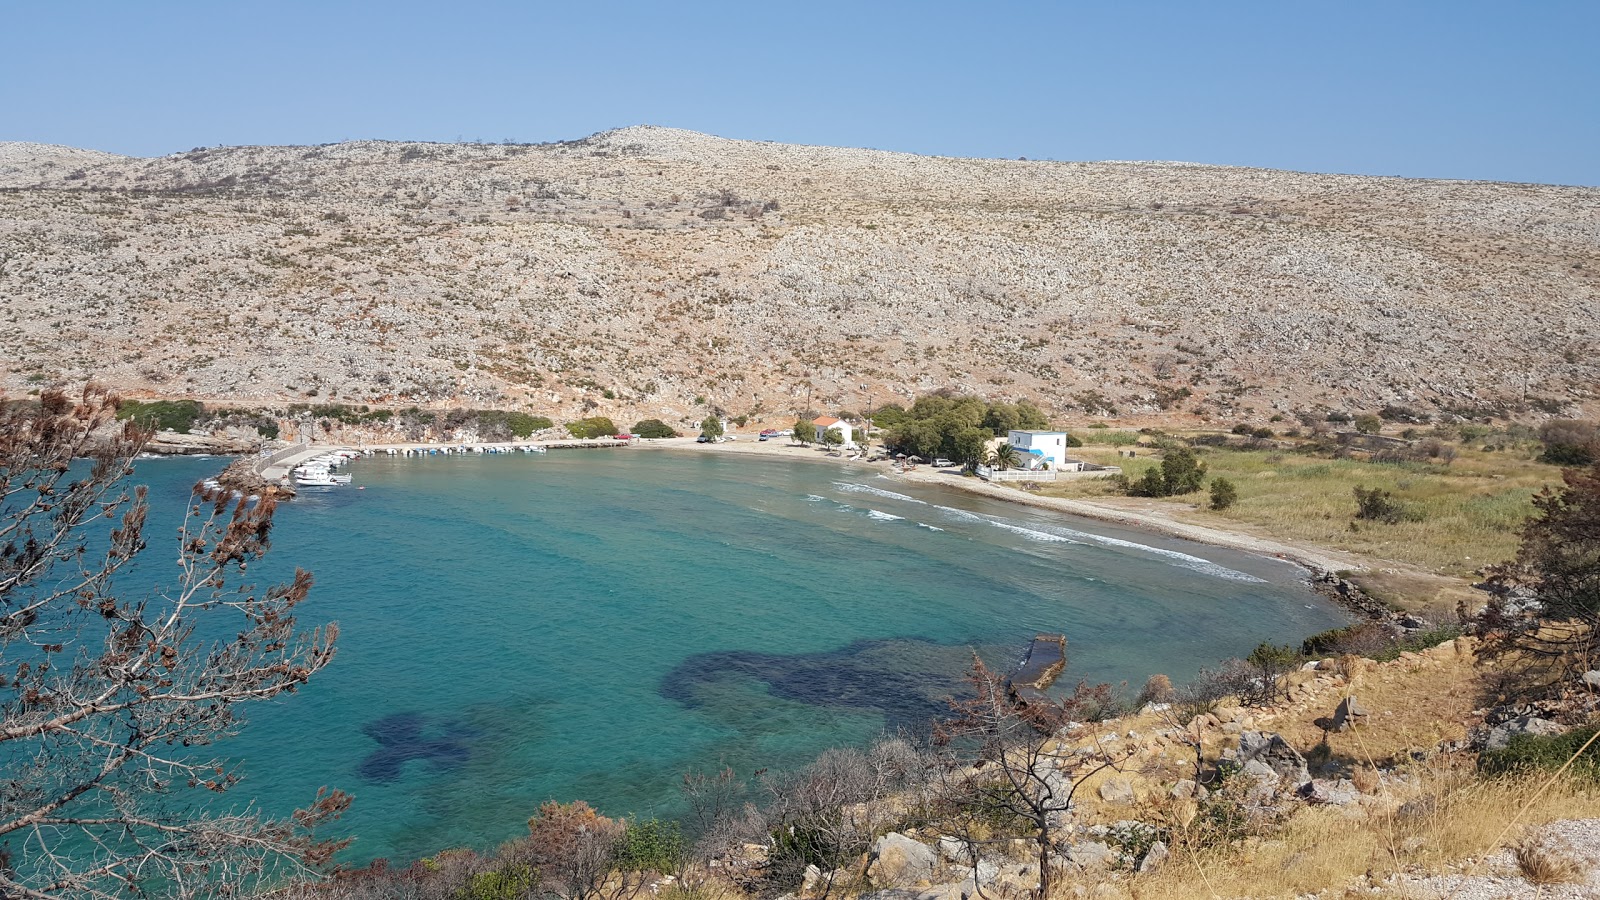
(653, 428)
(1179, 473)
(1568, 442)
(592, 427)
(954, 426)
(163, 415)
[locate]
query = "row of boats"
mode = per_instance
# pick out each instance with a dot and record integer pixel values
(323, 471)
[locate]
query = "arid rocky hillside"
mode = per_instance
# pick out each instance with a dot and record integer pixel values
(655, 272)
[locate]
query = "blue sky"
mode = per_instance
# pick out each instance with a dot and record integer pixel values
(1504, 91)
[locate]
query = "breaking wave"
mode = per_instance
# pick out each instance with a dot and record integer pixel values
(853, 488)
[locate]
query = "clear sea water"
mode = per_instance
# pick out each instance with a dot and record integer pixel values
(594, 624)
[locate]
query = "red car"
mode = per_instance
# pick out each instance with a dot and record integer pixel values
(769, 432)
(623, 437)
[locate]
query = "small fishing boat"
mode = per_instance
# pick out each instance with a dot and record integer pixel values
(314, 479)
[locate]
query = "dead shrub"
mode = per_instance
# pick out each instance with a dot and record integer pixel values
(1545, 861)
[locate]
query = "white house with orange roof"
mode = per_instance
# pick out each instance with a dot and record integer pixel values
(823, 423)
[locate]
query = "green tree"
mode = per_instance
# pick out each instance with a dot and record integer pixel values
(1001, 419)
(1150, 484)
(1223, 493)
(1182, 473)
(831, 438)
(918, 438)
(653, 428)
(1367, 423)
(1030, 417)
(1558, 562)
(711, 427)
(804, 431)
(970, 444)
(888, 415)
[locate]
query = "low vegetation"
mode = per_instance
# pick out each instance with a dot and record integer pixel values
(1450, 514)
(592, 427)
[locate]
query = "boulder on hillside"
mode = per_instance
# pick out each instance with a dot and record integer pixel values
(899, 861)
(1273, 753)
(1116, 791)
(1500, 736)
(1334, 793)
(1348, 715)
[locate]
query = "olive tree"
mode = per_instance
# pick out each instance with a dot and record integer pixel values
(108, 699)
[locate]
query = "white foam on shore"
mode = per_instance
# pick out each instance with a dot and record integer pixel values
(853, 488)
(1064, 535)
(1185, 560)
(1031, 534)
(929, 527)
(813, 498)
(960, 514)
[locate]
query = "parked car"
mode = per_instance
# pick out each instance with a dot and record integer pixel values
(942, 463)
(623, 437)
(703, 439)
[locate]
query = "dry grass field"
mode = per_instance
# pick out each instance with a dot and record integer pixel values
(1461, 515)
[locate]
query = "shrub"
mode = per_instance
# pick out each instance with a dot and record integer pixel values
(1531, 752)
(1223, 493)
(1568, 442)
(592, 427)
(1183, 473)
(1074, 441)
(165, 415)
(651, 846)
(1397, 413)
(523, 425)
(1378, 505)
(653, 428)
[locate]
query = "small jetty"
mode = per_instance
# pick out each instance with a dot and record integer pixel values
(1045, 660)
(274, 468)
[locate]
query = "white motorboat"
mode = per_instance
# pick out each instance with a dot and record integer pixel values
(314, 479)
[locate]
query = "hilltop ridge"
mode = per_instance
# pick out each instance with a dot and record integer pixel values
(648, 271)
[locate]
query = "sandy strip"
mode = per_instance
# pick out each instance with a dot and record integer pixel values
(1132, 512)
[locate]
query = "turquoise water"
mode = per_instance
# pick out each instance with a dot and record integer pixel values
(593, 624)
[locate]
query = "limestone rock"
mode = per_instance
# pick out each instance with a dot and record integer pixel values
(1349, 714)
(1336, 793)
(1592, 678)
(1501, 734)
(955, 850)
(1091, 855)
(1275, 753)
(1154, 857)
(1116, 791)
(899, 861)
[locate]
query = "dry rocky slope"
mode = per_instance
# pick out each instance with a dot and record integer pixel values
(656, 272)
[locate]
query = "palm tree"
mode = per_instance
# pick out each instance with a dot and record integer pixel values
(1004, 456)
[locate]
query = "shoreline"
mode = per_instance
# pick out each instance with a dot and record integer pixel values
(1318, 560)
(1320, 565)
